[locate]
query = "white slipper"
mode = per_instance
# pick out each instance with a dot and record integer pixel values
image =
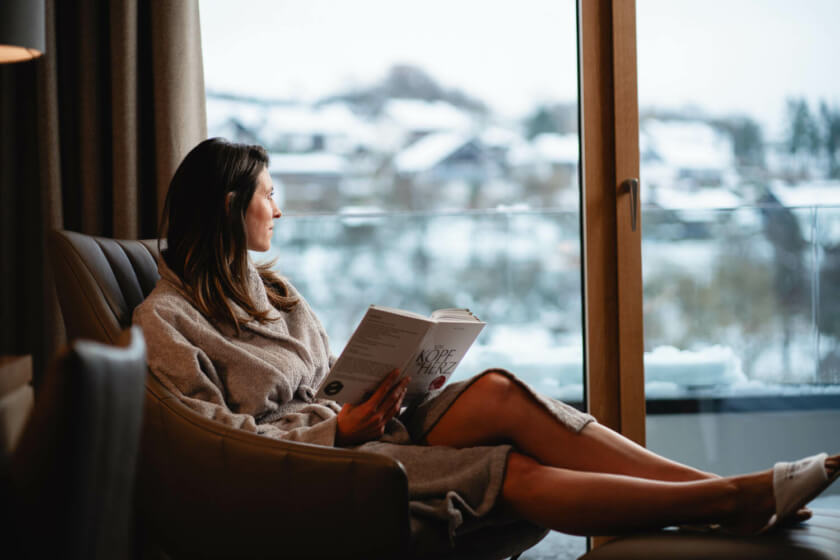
(796, 484)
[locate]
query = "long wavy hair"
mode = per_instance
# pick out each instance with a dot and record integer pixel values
(206, 244)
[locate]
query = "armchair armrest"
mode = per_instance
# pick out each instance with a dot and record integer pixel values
(207, 490)
(16, 400)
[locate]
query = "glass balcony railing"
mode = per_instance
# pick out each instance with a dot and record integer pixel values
(741, 336)
(739, 303)
(518, 271)
(742, 302)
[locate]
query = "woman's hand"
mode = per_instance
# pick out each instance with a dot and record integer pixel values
(357, 424)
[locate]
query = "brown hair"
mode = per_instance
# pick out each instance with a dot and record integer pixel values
(206, 241)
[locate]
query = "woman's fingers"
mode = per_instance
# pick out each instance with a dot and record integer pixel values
(360, 423)
(391, 406)
(384, 388)
(395, 396)
(396, 408)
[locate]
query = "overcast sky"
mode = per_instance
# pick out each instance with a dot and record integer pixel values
(727, 56)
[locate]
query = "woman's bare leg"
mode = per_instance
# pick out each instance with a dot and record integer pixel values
(495, 410)
(596, 481)
(590, 503)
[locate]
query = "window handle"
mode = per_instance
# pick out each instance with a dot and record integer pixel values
(632, 186)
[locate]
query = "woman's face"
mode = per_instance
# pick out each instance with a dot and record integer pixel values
(260, 215)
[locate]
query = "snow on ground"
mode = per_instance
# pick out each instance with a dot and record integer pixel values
(669, 372)
(690, 255)
(808, 194)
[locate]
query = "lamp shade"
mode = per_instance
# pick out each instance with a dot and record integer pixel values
(22, 31)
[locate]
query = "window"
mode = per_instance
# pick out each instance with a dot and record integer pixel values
(427, 156)
(741, 229)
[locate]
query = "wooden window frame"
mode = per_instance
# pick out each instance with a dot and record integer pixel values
(612, 272)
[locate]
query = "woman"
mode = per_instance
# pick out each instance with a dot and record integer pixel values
(238, 344)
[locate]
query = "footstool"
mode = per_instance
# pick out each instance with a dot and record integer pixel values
(816, 539)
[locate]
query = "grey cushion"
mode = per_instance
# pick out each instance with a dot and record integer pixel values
(73, 471)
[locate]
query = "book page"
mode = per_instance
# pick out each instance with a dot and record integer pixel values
(382, 342)
(454, 314)
(401, 312)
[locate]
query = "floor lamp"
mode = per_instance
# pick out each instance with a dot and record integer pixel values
(22, 31)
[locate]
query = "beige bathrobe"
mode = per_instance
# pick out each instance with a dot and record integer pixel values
(265, 379)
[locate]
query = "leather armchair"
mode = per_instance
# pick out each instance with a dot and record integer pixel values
(209, 491)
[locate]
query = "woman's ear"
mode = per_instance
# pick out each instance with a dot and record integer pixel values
(228, 200)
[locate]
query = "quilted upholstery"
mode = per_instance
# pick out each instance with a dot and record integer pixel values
(100, 281)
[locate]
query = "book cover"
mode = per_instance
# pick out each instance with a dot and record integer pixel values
(428, 349)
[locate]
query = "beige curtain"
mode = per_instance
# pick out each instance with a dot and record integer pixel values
(91, 134)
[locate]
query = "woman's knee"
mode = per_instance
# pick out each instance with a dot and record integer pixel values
(479, 415)
(493, 389)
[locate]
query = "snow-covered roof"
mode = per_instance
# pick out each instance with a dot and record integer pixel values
(812, 193)
(500, 136)
(414, 114)
(551, 365)
(317, 163)
(335, 118)
(700, 199)
(522, 154)
(557, 148)
(429, 151)
(547, 148)
(687, 145)
(248, 113)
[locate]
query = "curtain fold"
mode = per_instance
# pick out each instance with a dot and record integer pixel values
(91, 134)
(180, 109)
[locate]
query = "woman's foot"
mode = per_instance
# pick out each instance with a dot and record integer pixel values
(832, 466)
(756, 501)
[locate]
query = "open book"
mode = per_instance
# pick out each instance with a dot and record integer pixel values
(428, 349)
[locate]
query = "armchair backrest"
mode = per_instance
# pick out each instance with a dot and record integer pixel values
(100, 281)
